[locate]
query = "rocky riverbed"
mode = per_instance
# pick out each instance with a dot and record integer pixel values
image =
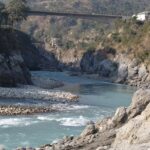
(32, 92)
(24, 110)
(127, 129)
(15, 110)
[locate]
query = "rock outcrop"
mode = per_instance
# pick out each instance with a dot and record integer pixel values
(13, 70)
(127, 129)
(33, 56)
(115, 67)
(18, 55)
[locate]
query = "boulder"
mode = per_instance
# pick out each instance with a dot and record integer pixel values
(120, 116)
(13, 70)
(107, 68)
(90, 129)
(132, 72)
(135, 134)
(91, 60)
(140, 100)
(87, 61)
(142, 71)
(122, 73)
(2, 147)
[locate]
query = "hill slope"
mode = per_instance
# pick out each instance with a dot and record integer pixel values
(95, 6)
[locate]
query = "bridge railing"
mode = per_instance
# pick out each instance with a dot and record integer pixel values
(55, 13)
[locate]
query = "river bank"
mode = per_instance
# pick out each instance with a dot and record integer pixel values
(42, 89)
(124, 131)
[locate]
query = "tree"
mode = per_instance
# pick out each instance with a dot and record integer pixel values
(2, 7)
(16, 10)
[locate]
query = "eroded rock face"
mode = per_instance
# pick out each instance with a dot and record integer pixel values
(115, 67)
(122, 73)
(13, 70)
(135, 134)
(107, 68)
(98, 62)
(140, 100)
(90, 129)
(120, 116)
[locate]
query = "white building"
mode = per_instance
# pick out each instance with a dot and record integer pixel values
(143, 16)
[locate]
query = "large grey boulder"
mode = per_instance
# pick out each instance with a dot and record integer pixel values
(134, 135)
(132, 72)
(107, 68)
(139, 101)
(2, 147)
(91, 61)
(122, 73)
(142, 71)
(120, 116)
(90, 129)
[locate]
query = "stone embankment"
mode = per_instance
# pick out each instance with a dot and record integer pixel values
(127, 129)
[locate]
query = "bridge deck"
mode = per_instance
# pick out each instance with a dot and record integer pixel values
(78, 15)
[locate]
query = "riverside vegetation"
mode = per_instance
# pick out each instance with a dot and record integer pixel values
(120, 54)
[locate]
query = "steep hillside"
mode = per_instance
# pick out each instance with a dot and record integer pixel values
(95, 6)
(123, 54)
(130, 37)
(92, 6)
(70, 36)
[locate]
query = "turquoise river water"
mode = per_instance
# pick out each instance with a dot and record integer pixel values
(97, 100)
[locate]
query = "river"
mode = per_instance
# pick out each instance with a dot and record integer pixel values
(97, 100)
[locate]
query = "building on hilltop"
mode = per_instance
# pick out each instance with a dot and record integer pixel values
(143, 16)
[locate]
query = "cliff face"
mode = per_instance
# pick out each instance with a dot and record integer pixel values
(118, 68)
(33, 56)
(123, 56)
(17, 56)
(13, 70)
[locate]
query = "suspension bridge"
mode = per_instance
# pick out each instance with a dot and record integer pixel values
(76, 15)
